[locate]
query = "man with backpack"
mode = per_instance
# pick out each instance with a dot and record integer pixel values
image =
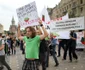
(2, 54)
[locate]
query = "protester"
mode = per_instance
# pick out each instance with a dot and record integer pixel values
(14, 45)
(22, 46)
(53, 44)
(2, 53)
(9, 44)
(61, 45)
(42, 50)
(48, 50)
(71, 45)
(73, 37)
(32, 46)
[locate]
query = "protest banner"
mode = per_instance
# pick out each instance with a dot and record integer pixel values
(80, 35)
(61, 35)
(28, 15)
(69, 24)
(61, 18)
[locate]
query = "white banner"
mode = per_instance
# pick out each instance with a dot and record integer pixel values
(65, 17)
(79, 36)
(28, 15)
(69, 24)
(61, 35)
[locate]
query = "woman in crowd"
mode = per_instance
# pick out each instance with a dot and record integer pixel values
(32, 46)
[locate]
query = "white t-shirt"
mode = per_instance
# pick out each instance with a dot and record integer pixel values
(2, 51)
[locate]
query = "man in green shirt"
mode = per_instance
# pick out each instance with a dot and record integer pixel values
(32, 46)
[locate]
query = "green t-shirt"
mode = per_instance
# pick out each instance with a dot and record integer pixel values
(32, 47)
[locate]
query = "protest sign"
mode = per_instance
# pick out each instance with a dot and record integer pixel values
(69, 24)
(28, 15)
(79, 37)
(62, 35)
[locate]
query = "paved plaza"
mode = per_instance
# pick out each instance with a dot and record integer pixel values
(16, 61)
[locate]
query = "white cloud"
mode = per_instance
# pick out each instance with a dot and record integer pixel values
(8, 9)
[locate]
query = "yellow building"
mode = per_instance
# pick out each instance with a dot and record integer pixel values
(74, 8)
(1, 28)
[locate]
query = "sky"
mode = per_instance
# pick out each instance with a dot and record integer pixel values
(8, 9)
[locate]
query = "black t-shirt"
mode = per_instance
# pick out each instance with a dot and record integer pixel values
(43, 46)
(73, 34)
(73, 42)
(11, 42)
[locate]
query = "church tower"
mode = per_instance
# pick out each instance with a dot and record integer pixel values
(13, 21)
(13, 27)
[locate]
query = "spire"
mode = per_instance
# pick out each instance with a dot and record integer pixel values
(13, 21)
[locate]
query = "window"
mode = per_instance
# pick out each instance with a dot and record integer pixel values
(65, 9)
(81, 1)
(74, 4)
(70, 5)
(67, 6)
(74, 11)
(56, 16)
(81, 9)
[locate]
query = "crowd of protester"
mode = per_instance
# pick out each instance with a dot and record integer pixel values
(37, 47)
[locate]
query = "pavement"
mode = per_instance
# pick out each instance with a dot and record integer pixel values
(16, 62)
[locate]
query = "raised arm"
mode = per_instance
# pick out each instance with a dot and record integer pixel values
(2, 46)
(45, 33)
(19, 33)
(38, 28)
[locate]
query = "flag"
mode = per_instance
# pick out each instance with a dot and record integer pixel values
(63, 17)
(45, 16)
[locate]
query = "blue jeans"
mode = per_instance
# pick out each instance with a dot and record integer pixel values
(54, 54)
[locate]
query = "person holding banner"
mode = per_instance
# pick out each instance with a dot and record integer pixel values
(32, 46)
(73, 38)
(61, 44)
(71, 46)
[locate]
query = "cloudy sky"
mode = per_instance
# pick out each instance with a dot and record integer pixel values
(8, 9)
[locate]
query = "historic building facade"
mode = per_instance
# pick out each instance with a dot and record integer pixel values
(1, 28)
(13, 27)
(74, 8)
